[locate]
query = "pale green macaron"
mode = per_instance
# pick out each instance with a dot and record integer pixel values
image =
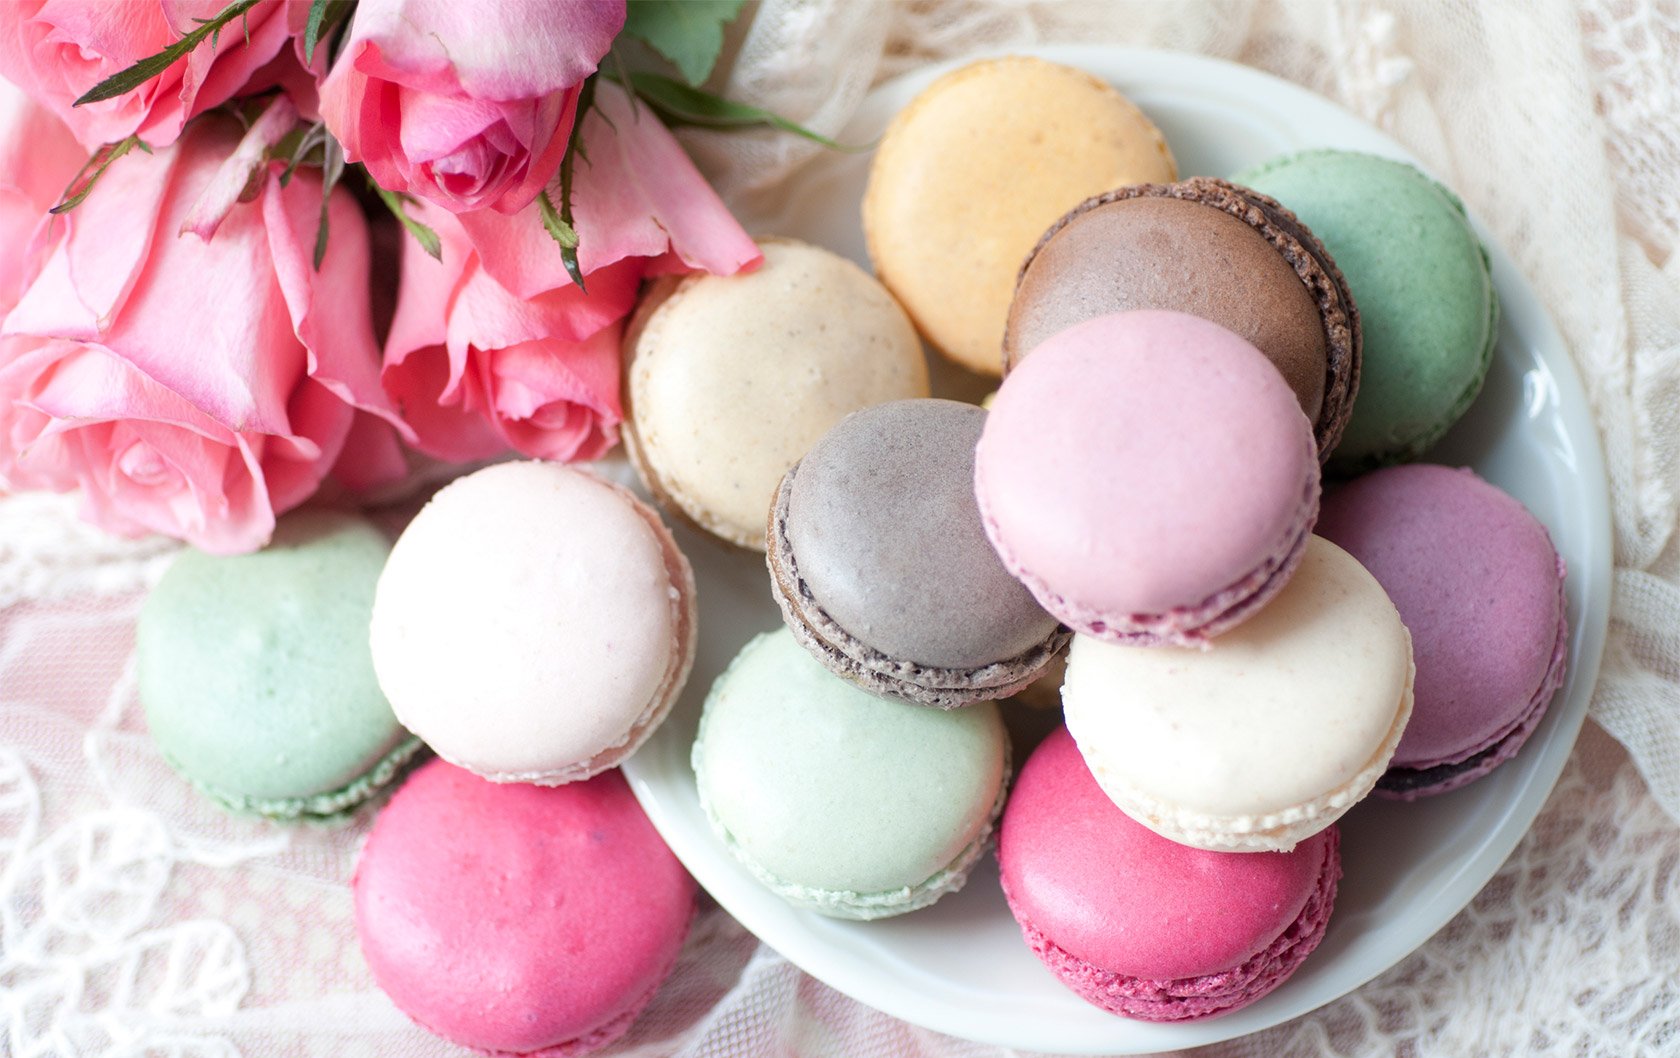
(1421, 280)
(841, 802)
(256, 677)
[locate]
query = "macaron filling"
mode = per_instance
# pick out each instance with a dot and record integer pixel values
(1207, 995)
(327, 806)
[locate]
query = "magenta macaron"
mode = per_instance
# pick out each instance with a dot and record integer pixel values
(1479, 584)
(1142, 926)
(515, 919)
(1149, 476)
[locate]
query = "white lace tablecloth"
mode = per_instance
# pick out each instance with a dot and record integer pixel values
(137, 920)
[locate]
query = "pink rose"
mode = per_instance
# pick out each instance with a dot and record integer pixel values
(465, 105)
(38, 159)
(188, 387)
(58, 49)
(496, 348)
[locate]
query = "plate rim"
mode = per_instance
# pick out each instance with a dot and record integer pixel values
(1587, 636)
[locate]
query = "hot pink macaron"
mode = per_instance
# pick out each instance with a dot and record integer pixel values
(1477, 581)
(1149, 476)
(1144, 927)
(516, 919)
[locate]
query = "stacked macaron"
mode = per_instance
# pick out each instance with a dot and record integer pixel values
(1179, 361)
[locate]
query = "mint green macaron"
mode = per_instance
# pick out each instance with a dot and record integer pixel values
(1421, 281)
(256, 677)
(847, 804)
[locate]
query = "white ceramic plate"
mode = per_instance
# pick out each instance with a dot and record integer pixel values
(960, 967)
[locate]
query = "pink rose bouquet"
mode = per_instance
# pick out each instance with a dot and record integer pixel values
(190, 387)
(189, 333)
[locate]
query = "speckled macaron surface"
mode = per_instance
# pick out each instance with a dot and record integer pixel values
(516, 919)
(970, 174)
(729, 379)
(1149, 476)
(1426, 298)
(1268, 737)
(534, 623)
(1143, 926)
(839, 801)
(883, 569)
(1477, 581)
(255, 674)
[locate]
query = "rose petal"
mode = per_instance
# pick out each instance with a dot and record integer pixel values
(234, 175)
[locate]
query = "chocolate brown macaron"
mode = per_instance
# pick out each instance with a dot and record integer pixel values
(883, 571)
(1213, 249)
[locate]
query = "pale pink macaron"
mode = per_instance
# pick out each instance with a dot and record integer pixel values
(1142, 926)
(1149, 476)
(515, 919)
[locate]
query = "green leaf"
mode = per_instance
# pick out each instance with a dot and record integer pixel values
(680, 104)
(426, 237)
(332, 170)
(324, 17)
(93, 169)
(149, 67)
(558, 222)
(687, 32)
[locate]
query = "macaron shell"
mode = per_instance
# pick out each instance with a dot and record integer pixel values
(1427, 303)
(534, 623)
(517, 919)
(255, 674)
(1159, 252)
(1142, 926)
(1477, 581)
(1264, 739)
(1142, 464)
(850, 804)
(730, 379)
(971, 173)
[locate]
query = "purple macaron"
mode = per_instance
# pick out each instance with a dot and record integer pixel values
(1479, 584)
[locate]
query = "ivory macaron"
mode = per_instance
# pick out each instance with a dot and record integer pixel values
(969, 175)
(534, 623)
(1267, 738)
(729, 379)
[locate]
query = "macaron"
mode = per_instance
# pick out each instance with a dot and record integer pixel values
(255, 675)
(1427, 304)
(519, 920)
(1266, 739)
(534, 623)
(1211, 249)
(1149, 476)
(1145, 927)
(838, 801)
(1477, 581)
(882, 569)
(729, 379)
(969, 175)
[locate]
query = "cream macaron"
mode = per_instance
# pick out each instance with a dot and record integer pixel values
(1266, 738)
(729, 379)
(534, 623)
(972, 172)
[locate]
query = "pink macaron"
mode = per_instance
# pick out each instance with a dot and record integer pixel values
(1477, 581)
(516, 919)
(1149, 476)
(1142, 926)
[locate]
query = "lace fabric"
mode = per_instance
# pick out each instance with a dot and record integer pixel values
(137, 919)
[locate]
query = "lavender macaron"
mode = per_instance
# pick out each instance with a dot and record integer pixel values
(1479, 584)
(882, 569)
